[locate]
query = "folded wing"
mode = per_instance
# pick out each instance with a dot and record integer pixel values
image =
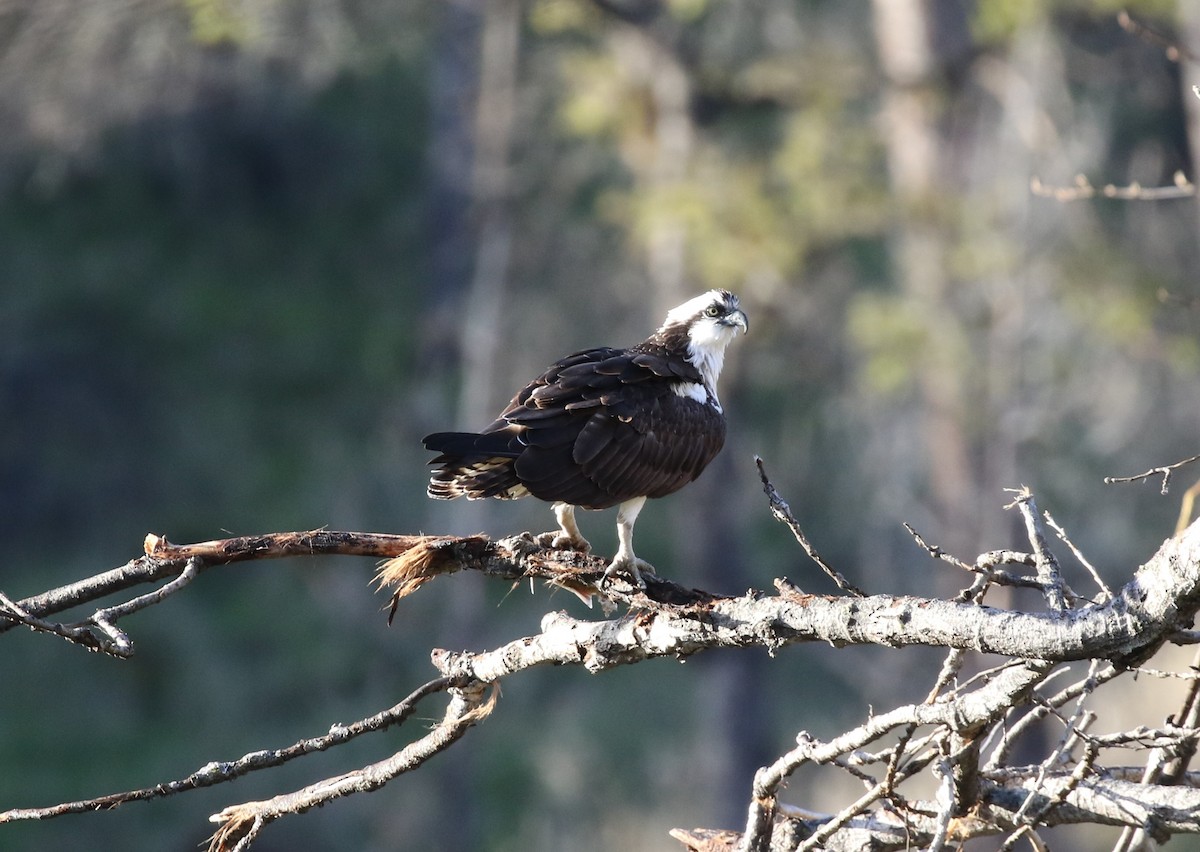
(604, 426)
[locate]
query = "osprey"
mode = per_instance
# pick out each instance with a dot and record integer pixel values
(604, 427)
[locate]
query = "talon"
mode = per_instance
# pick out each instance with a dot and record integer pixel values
(567, 536)
(562, 541)
(634, 567)
(558, 540)
(625, 560)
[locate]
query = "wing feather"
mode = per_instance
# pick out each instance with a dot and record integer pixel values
(592, 439)
(597, 428)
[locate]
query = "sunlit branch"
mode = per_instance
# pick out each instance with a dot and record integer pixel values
(1082, 190)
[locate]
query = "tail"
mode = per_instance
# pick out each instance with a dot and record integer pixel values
(474, 466)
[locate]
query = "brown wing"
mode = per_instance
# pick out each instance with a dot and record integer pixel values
(482, 464)
(605, 425)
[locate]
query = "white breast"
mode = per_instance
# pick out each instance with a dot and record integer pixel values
(696, 391)
(692, 390)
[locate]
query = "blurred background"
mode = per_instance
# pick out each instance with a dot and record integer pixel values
(252, 250)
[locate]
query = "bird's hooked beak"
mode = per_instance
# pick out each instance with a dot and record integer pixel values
(737, 318)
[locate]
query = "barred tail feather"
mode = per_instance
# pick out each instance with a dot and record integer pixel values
(475, 478)
(474, 466)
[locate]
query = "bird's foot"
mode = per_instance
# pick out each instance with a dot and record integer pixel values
(559, 540)
(633, 566)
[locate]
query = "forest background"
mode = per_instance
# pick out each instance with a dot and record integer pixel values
(252, 251)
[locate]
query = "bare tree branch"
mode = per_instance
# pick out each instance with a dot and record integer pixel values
(783, 512)
(218, 772)
(1082, 190)
(241, 823)
(1165, 470)
(1163, 595)
(964, 731)
(1083, 560)
(1047, 566)
(178, 564)
(986, 567)
(1065, 797)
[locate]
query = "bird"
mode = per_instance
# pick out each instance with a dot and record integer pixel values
(604, 427)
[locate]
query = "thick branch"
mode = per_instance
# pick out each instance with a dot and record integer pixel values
(1096, 801)
(965, 715)
(1162, 597)
(1099, 801)
(163, 560)
(667, 620)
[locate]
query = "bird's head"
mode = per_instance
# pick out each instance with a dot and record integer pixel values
(712, 319)
(710, 322)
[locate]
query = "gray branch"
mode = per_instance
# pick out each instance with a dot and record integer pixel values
(959, 724)
(1161, 598)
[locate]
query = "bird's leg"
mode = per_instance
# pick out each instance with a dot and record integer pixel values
(568, 535)
(625, 560)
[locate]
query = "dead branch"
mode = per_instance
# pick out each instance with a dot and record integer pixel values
(1062, 799)
(783, 512)
(1081, 190)
(1162, 596)
(963, 717)
(178, 564)
(241, 823)
(219, 772)
(1105, 591)
(964, 731)
(1164, 470)
(986, 567)
(1047, 566)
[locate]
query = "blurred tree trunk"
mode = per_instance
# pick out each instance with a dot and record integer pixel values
(708, 537)
(473, 102)
(661, 159)
(495, 111)
(454, 78)
(1189, 22)
(918, 155)
(454, 81)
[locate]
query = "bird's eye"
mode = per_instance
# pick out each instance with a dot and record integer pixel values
(712, 311)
